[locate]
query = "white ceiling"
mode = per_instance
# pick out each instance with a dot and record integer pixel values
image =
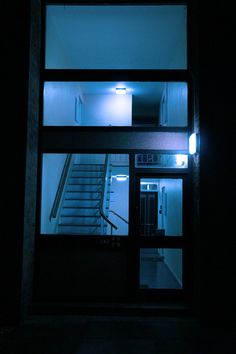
(146, 95)
(116, 37)
(133, 88)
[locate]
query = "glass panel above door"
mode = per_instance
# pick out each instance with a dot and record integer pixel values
(157, 160)
(139, 104)
(116, 37)
(161, 204)
(85, 194)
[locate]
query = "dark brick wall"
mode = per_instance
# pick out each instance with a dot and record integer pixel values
(216, 100)
(14, 87)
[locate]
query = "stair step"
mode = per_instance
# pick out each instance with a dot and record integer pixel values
(83, 195)
(87, 164)
(82, 212)
(80, 207)
(87, 217)
(79, 222)
(87, 177)
(84, 184)
(85, 199)
(91, 173)
(97, 168)
(83, 188)
(81, 203)
(89, 192)
(81, 225)
(76, 230)
(80, 216)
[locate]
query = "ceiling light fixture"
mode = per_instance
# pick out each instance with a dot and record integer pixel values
(121, 178)
(121, 91)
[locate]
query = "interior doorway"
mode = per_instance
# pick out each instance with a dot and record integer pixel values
(148, 213)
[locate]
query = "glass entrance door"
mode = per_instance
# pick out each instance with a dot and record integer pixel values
(161, 254)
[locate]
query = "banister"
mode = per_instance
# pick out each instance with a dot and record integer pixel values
(102, 201)
(60, 187)
(119, 216)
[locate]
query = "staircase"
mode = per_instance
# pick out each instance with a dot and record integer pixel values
(80, 209)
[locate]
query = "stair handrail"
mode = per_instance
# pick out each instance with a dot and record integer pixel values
(60, 187)
(103, 196)
(119, 216)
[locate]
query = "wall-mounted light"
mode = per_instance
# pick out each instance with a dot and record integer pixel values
(121, 178)
(121, 91)
(193, 144)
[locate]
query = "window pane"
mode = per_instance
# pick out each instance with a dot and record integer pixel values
(161, 203)
(161, 161)
(85, 194)
(141, 104)
(160, 268)
(116, 37)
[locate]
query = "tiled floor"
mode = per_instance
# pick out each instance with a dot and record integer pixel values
(115, 335)
(156, 275)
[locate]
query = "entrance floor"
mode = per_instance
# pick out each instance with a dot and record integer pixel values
(115, 335)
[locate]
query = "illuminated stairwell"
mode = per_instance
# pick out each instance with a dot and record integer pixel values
(80, 209)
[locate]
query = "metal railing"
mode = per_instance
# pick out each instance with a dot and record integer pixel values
(103, 195)
(60, 188)
(119, 216)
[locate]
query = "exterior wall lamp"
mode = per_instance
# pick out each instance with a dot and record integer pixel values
(193, 143)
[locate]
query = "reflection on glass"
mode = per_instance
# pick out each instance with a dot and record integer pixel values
(116, 37)
(141, 104)
(85, 194)
(160, 268)
(161, 161)
(161, 203)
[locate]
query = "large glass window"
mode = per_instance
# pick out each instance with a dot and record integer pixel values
(116, 37)
(160, 268)
(140, 104)
(85, 194)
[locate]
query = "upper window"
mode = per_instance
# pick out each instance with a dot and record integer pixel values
(116, 37)
(143, 104)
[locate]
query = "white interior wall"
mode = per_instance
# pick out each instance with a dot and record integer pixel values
(173, 259)
(119, 200)
(59, 103)
(61, 98)
(153, 37)
(173, 217)
(58, 56)
(52, 168)
(176, 101)
(105, 110)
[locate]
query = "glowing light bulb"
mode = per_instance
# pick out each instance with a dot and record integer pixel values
(121, 178)
(121, 91)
